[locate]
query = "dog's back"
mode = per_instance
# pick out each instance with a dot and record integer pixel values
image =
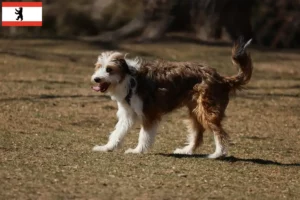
(166, 85)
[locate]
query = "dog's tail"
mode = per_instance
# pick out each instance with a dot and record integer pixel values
(243, 60)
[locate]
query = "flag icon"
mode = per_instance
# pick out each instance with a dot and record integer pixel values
(22, 14)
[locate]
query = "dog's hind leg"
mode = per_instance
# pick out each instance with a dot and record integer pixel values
(195, 137)
(221, 141)
(210, 111)
(146, 138)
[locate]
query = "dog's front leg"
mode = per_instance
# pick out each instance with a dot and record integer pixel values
(146, 138)
(126, 120)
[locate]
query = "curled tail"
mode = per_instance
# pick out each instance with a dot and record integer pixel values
(243, 60)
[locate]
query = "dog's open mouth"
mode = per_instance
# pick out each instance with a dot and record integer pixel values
(102, 87)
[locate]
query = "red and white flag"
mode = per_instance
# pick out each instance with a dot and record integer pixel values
(22, 14)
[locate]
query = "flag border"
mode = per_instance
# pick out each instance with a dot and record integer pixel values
(22, 23)
(22, 4)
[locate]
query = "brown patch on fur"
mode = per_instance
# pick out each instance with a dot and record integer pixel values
(164, 86)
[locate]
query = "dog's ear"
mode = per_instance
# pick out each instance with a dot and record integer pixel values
(123, 65)
(119, 59)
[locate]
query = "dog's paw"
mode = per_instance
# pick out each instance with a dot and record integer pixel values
(216, 155)
(103, 148)
(183, 151)
(133, 151)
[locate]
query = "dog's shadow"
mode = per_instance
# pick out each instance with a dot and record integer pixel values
(233, 159)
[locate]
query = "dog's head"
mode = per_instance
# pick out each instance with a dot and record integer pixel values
(110, 69)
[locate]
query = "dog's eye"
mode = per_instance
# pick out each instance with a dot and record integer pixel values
(108, 70)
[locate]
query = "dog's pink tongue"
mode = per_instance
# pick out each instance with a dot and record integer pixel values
(96, 88)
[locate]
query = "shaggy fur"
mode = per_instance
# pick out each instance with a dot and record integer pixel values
(146, 90)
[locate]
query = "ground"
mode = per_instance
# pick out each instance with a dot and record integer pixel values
(50, 119)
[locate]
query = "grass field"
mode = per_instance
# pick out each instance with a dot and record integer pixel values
(50, 119)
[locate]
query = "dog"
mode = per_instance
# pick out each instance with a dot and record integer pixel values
(147, 90)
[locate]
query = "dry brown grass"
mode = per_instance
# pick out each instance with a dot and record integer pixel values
(50, 119)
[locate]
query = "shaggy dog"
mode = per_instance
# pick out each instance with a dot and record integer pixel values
(146, 90)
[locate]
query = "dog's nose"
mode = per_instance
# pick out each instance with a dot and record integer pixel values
(97, 80)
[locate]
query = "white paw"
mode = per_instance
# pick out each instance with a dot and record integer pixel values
(103, 148)
(183, 151)
(216, 155)
(133, 151)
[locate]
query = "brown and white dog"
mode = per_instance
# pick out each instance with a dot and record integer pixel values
(146, 90)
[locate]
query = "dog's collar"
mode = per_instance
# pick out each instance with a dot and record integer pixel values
(132, 85)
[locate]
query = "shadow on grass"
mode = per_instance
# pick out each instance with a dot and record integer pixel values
(261, 96)
(297, 86)
(41, 97)
(39, 80)
(232, 159)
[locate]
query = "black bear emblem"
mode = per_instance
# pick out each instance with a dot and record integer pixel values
(19, 13)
